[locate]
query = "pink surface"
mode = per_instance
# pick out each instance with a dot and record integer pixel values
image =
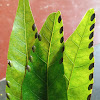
(72, 13)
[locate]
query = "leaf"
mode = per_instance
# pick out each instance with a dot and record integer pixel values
(79, 60)
(21, 41)
(44, 78)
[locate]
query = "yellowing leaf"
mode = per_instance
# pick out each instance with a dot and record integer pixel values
(79, 60)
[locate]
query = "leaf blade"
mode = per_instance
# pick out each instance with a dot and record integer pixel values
(19, 48)
(44, 69)
(76, 59)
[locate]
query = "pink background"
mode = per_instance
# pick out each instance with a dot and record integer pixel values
(72, 13)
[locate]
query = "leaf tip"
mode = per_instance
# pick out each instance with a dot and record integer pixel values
(92, 9)
(58, 12)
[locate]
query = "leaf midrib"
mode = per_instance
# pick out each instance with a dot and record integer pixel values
(25, 33)
(25, 43)
(76, 55)
(49, 55)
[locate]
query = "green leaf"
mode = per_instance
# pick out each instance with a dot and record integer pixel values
(79, 60)
(21, 41)
(45, 79)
